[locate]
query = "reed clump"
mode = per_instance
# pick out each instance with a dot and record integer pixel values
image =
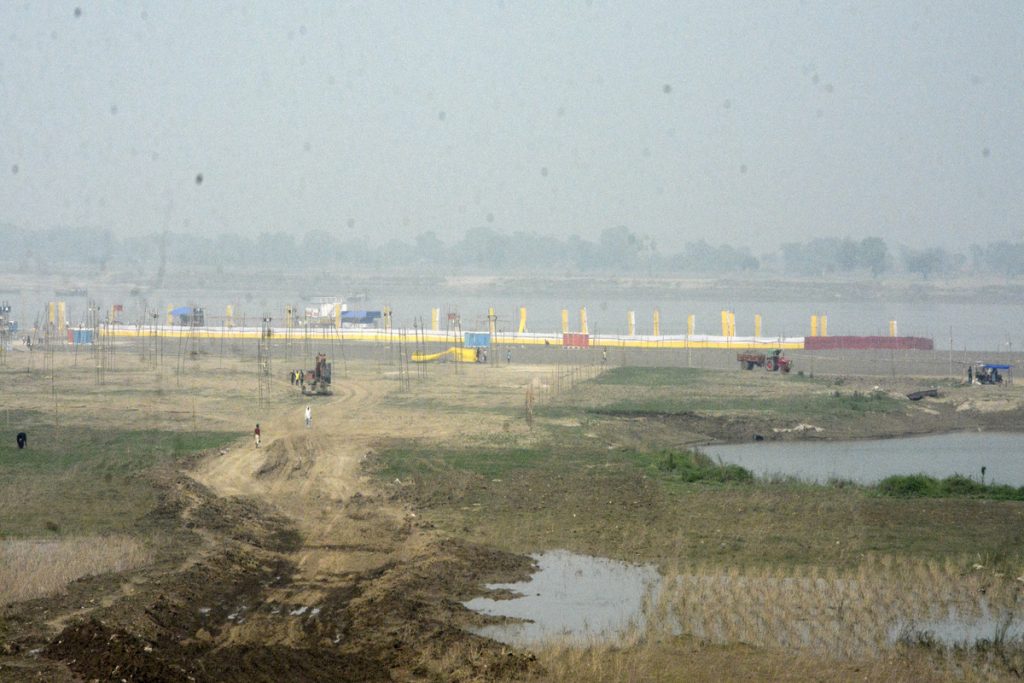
(33, 568)
(870, 622)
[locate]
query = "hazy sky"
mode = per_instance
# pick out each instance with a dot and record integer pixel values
(745, 122)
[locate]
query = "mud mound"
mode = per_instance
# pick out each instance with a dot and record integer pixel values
(230, 618)
(272, 664)
(245, 520)
(273, 463)
(287, 458)
(241, 519)
(410, 614)
(96, 651)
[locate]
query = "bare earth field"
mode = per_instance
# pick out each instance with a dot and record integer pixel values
(344, 551)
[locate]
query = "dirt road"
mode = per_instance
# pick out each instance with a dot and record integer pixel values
(298, 566)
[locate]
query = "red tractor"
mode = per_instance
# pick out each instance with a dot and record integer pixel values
(772, 362)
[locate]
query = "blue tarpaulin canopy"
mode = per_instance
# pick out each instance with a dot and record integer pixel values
(182, 310)
(996, 366)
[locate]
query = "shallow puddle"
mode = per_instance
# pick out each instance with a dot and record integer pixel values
(570, 596)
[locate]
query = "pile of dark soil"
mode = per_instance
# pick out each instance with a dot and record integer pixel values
(237, 611)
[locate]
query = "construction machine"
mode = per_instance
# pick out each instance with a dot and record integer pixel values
(317, 382)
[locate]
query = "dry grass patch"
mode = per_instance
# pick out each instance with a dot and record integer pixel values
(807, 623)
(32, 568)
(841, 614)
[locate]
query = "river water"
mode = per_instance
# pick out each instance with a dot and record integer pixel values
(869, 461)
(977, 326)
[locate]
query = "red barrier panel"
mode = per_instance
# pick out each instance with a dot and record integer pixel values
(576, 341)
(865, 343)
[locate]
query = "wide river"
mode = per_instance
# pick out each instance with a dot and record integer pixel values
(869, 461)
(978, 326)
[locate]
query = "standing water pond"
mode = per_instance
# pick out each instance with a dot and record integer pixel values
(869, 461)
(572, 596)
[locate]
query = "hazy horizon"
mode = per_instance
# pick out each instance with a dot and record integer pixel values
(736, 123)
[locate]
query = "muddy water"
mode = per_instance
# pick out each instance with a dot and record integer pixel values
(571, 596)
(867, 462)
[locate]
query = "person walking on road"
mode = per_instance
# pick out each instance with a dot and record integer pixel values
(309, 417)
(508, 357)
(256, 434)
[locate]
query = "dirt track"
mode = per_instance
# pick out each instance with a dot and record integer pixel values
(302, 568)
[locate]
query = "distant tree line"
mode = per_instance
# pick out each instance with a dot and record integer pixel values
(616, 251)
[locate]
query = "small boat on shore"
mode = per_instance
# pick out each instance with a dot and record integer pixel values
(918, 395)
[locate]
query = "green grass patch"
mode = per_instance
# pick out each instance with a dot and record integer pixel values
(653, 377)
(413, 463)
(694, 466)
(957, 486)
(660, 505)
(406, 463)
(83, 480)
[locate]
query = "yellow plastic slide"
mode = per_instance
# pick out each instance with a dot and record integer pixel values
(460, 355)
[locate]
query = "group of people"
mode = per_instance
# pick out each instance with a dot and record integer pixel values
(481, 356)
(256, 432)
(298, 377)
(983, 375)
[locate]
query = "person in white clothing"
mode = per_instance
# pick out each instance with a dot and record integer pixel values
(309, 417)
